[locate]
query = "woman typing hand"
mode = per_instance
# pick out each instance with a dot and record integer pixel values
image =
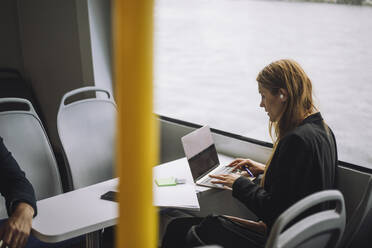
(247, 167)
(255, 167)
(225, 179)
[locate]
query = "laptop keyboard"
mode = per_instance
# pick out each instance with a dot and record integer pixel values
(223, 170)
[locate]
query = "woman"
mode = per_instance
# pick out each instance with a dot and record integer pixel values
(303, 161)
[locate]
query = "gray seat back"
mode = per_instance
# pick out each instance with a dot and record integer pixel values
(358, 230)
(351, 183)
(322, 229)
(86, 129)
(25, 137)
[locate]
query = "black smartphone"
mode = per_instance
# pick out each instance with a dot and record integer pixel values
(110, 196)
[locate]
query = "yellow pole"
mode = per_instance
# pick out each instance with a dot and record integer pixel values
(137, 132)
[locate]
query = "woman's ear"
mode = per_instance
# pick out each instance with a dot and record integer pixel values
(283, 94)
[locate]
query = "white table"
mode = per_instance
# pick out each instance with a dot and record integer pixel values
(82, 211)
(75, 213)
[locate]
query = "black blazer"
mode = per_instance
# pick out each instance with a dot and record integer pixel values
(304, 162)
(14, 186)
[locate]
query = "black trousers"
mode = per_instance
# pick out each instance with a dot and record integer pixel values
(212, 232)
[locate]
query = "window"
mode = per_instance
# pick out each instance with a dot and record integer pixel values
(208, 54)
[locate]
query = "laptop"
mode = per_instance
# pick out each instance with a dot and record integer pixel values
(202, 156)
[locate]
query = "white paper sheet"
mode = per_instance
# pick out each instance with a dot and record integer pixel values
(181, 196)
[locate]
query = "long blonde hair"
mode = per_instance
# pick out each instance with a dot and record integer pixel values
(287, 74)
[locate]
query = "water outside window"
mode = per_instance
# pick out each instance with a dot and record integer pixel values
(208, 54)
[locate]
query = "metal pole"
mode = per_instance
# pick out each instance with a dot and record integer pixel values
(137, 132)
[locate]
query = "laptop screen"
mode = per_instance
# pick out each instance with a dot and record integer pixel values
(200, 151)
(203, 162)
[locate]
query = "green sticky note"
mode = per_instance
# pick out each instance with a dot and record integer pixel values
(169, 181)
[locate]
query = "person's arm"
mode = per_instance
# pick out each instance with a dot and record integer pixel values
(20, 201)
(256, 226)
(255, 167)
(15, 232)
(14, 186)
(291, 170)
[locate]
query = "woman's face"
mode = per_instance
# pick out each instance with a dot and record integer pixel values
(273, 104)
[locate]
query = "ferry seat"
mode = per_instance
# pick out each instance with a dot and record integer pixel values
(358, 229)
(25, 137)
(12, 84)
(86, 128)
(321, 229)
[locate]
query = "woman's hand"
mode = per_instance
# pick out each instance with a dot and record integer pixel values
(225, 179)
(255, 167)
(255, 226)
(14, 233)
